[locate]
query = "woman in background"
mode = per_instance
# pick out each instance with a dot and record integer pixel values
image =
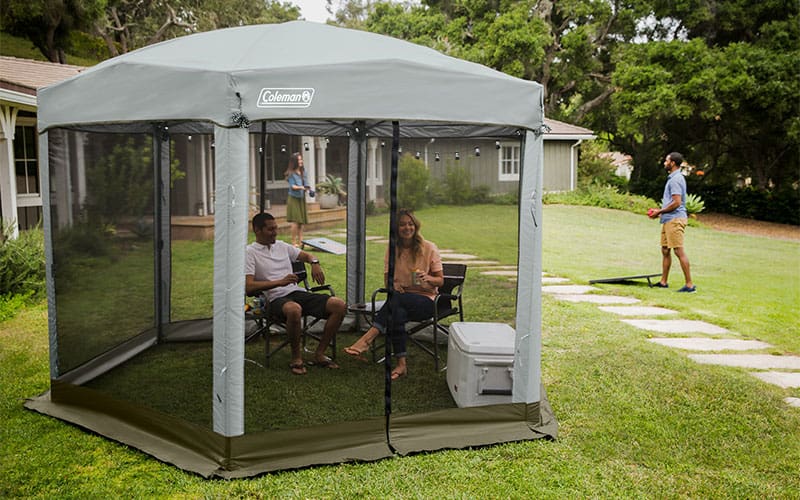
(417, 275)
(296, 211)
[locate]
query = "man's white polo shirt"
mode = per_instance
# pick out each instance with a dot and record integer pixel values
(270, 263)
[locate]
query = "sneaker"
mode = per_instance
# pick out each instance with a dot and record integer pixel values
(687, 289)
(659, 285)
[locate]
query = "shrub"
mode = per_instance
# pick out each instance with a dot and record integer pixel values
(694, 204)
(511, 198)
(22, 270)
(595, 169)
(604, 196)
(457, 186)
(412, 183)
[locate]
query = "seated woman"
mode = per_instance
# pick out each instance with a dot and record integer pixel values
(417, 276)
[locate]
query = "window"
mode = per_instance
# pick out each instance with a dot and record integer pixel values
(508, 162)
(25, 161)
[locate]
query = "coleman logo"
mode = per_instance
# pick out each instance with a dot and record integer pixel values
(285, 98)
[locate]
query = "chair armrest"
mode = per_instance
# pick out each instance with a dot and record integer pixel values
(320, 288)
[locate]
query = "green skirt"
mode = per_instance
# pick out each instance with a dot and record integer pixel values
(296, 210)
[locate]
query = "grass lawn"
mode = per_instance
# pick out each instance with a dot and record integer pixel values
(636, 419)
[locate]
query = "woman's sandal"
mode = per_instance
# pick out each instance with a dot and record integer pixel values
(357, 353)
(398, 375)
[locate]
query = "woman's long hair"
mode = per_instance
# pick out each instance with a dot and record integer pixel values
(294, 164)
(417, 241)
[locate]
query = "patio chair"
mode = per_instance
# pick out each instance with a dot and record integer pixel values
(446, 304)
(268, 326)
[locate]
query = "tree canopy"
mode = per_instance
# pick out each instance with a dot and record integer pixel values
(718, 80)
(715, 79)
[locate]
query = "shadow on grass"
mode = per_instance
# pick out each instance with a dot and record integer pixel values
(176, 379)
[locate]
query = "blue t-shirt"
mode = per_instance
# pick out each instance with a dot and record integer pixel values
(296, 180)
(676, 184)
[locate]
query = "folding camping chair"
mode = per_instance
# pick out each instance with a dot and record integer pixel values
(268, 326)
(443, 307)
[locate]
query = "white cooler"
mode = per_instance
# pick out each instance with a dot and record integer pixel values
(480, 360)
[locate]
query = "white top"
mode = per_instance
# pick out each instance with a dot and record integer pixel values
(270, 263)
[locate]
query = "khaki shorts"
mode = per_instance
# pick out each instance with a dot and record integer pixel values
(672, 233)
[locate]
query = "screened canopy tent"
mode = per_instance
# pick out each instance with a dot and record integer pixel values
(107, 140)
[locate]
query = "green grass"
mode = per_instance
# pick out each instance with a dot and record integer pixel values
(636, 419)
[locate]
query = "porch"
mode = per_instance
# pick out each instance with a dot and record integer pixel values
(202, 227)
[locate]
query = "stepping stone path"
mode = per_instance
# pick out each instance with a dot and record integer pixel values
(637, 310)
(676, 326)
(623, 306)
(706, 344)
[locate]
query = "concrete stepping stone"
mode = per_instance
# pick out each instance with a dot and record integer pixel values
(637, 310)
(500, 272)
(793, 402)
(676, 326)
(787, 380)
(597, 299)
(456, 256)
(552, 280)
(706, 344)
(569, 289)
(488, 263)
(759, 361)
(375, 238)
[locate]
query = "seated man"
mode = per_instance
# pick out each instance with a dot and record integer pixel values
(268, 267)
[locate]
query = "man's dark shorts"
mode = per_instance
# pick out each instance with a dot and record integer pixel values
(312, 303)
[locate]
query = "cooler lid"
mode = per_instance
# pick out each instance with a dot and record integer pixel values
(483, 338)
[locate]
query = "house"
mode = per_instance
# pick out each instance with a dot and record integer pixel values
(20, 185)
(489, 162)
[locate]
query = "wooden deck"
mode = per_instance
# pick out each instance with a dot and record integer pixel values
(202, 228)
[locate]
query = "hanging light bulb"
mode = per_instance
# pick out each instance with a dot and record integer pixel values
(383, 144)
(305, 146)
(436, 157)
(399, 149)
(417, 155)
(477, 151)
(496, 144)
(458, 156)
(283, 148)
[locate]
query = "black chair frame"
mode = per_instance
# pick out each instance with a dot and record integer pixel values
(443, 307)
(265, 320)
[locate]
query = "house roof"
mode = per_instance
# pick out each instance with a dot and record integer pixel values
(26, 75)
(565, 131)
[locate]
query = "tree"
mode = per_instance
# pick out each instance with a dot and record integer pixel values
(733, 109)
(131, 24)
(49, 23)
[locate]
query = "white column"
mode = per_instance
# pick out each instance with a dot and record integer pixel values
(8, 177)
(309, 161)
(372, 169)
(322, 145)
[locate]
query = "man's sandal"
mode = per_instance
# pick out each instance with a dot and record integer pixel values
(297, 368)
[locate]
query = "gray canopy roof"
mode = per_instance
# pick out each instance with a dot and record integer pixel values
(296, 70)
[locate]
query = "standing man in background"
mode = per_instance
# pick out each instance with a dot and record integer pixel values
(674, 218)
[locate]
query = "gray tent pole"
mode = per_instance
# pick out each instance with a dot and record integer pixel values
(528, 352)
(230, 236)
(356, 214)
(47, 220)
(162, 268)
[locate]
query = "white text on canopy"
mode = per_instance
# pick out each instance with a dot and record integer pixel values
(285, 98)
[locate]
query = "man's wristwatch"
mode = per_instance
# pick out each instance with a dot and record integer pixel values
(314, 261)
